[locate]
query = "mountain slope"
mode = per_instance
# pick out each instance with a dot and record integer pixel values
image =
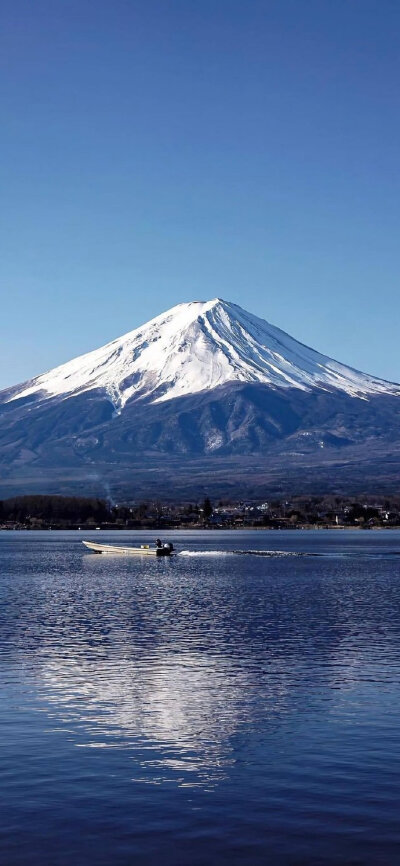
(207, 381)
(196, 347)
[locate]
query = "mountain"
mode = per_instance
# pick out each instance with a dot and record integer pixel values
(204, 397)
(197, 347)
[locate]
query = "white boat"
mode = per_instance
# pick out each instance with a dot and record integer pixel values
(143, 550)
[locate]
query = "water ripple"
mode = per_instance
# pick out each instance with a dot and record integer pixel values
(260, 693)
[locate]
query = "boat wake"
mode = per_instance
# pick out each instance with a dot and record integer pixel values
(269, 553)
(206, 552)
(280, 554)
(273, 553)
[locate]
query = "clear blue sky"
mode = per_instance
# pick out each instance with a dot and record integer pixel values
(159, 151)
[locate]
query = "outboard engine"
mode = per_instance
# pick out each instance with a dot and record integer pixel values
(168, 546)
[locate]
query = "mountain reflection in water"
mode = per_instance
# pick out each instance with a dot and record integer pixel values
(181, 707)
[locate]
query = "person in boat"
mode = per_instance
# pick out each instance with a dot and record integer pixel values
(168, 544)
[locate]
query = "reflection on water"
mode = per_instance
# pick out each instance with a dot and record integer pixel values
(208, 672)
(182, 708)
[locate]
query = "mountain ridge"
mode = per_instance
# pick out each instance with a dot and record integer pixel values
(198, 390)
(198, 346)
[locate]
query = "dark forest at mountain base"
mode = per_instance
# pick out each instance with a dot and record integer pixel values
(64, 512)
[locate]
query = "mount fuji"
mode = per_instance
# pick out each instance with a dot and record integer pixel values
(205, 397)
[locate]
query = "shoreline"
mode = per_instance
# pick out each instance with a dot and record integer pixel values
(185, 528)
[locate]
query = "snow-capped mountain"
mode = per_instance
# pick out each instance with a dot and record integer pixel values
(203, 396)
(197, 347)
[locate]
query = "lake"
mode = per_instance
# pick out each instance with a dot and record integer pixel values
(235, 704)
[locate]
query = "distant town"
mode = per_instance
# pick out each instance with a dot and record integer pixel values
(322, 512)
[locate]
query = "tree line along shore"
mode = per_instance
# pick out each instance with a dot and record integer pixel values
(73, 512)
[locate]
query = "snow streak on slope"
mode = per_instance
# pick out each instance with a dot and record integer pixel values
(196, 347)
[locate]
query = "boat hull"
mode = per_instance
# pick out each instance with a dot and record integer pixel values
(114, 550)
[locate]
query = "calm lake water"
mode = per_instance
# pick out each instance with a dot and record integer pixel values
(212, 708)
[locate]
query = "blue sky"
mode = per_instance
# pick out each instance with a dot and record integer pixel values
(159, 151)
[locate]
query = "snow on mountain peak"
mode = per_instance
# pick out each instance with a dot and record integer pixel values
(195, 347)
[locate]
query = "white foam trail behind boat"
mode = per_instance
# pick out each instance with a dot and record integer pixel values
(206, 552)
(270, 553)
